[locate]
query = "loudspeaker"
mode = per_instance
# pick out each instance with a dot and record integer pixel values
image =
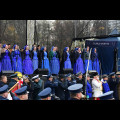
(41, 71)
(67, 71)
(7, 72)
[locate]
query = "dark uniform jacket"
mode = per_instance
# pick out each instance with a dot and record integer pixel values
(37, 90)
(62, 87)
(39, 54)
(30, 89)
(113, 86)
(53, 85)
(81, 81)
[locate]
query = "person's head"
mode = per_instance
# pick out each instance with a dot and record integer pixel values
(4, 79)
(95, 50)
(80, 76)
(9, 46)
(45, 94)
(54, 49)
(14, 76)
(37, 80)
(25, 79)
(68, 49)
(27, 47)
(6, 47)
(22, 93)
(34, 48)
(79, 49)
(4, 91)
(75, 91)
(105, 77)
(45, 48)
(62, 77)
(0, 45)
(118, 76)
(50, 78)
(88, 77)
(38, 47)
(88, 48)
(69, 78)
(113, 76)
(23, 97)
(76, 95)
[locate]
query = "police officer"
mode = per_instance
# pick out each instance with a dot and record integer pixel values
(22, 93)
(3, 80)
(113, 82)
(30, 86)
(13, 81)
(45, 94)
(105, 84)
(37, 87)
(81, 80)
(4, 92)
(107, 96)
(52, 83)
(75, 91)
(62, 87)
(70, 82)
(88, 88)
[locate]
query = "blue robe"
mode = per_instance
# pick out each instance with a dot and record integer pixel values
(45, 62)
(6, 61)
(16, 61)
(52, 85)
(78, 66)
(67, 63)
(27, 64)
(89, 90)
(35, 61)
(95, 62)
(105, 86)
(54, 64)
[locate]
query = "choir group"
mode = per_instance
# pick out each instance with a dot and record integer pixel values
(27, 61)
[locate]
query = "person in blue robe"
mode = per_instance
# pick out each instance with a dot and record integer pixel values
(86, 57)
(34, 58)
(27, 62)
(54, 61)
(105, 84)
(95, 61)
(6, 59)
(78, 65)
(16, 59)
(88, 88)
(45, 60)
(66, 59)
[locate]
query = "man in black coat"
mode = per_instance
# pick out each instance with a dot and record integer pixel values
(81, 80)
(37, 87)
(30, 86)
(113, 83)
(62, 87)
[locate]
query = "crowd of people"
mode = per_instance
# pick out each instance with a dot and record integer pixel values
(27, 61)
(63, 87)
(75, 86)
